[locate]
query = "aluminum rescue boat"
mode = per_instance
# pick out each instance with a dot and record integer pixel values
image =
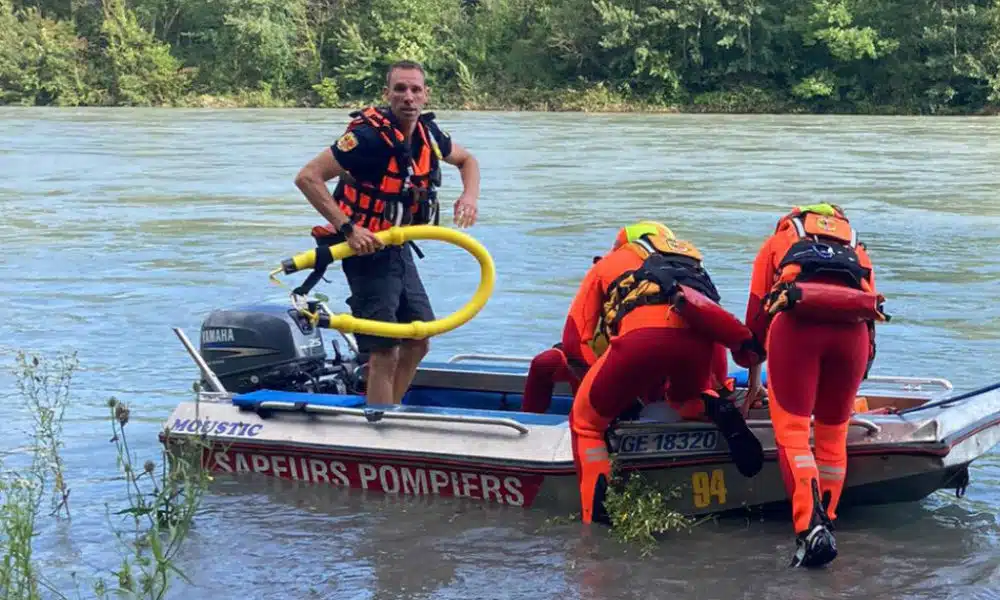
(274, 402)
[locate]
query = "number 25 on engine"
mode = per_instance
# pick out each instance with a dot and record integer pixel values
(708, 487)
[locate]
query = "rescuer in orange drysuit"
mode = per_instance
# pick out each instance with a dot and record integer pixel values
(569, 360)
(813, 301)
(656, 318)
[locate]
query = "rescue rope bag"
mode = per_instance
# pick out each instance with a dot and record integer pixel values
(706, 316)
(828, 302)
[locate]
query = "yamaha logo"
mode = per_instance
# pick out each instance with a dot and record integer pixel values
(218, 336)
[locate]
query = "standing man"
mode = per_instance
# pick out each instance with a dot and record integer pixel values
(388, 162)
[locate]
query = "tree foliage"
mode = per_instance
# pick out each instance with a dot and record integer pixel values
(889, 56)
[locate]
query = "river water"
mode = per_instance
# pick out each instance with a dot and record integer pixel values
(119, 224)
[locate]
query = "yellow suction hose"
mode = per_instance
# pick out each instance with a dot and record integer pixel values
(397, 236)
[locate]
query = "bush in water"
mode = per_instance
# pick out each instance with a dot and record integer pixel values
(639, 510)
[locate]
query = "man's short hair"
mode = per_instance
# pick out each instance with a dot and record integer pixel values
(403, 64)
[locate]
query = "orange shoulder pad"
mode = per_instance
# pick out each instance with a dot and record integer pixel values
(666, 245)
(833, 227)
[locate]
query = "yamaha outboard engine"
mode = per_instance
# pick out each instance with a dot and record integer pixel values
(273, 347)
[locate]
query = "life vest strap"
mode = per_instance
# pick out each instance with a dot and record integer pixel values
(411, 195)
(397, 209)
(323, 260)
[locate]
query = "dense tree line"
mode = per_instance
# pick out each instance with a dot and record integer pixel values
(869, 56)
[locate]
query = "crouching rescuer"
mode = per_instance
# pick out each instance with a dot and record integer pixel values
(570, 359)
(813, 299)
(581, 344)
(659, 323)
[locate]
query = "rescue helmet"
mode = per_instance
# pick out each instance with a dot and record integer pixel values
(823, 208)
(633, 232)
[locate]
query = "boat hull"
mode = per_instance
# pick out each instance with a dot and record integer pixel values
(514, 459)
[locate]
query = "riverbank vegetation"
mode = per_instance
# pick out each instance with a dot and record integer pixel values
(158, 501)
(858, 56)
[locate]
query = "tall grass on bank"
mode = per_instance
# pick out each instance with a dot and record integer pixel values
(154, 513)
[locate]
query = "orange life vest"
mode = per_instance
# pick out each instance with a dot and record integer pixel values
(821, 276)
(826, 247)
(671, 274)
(667, 264)
(406, 191)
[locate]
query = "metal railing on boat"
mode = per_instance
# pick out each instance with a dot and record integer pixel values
(493, 357)
(907, 383)
(912, 383)
(373, 415)
(206, 371)
(869, 426)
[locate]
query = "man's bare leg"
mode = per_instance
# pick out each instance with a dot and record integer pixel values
(382, 367)
(411, 352)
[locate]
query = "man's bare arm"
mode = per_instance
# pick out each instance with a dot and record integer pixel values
(468, 166)
(466, 207)
(311, 181)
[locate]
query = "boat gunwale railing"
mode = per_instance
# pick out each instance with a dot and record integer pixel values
(215, 397)
(457, 358)
(870, 426)
(947, 401)
(374, 415)
(907, 383)
(912, 383)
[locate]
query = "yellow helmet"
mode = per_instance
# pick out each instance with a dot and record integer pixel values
(633, 232)
(822, 208)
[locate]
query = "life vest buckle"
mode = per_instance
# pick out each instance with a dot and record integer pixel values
(393, 213)
(819, 249)
(783, 297)
(424, 206)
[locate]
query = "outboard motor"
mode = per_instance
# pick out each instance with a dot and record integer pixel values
(272, 346)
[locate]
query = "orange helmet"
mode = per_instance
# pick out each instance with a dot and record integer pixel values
(823, 208)
(631, 233)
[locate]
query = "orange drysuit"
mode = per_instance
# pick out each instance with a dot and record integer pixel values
(555, 364)
(624, 324)
(569, 360)
(552, 366)
(812, 293)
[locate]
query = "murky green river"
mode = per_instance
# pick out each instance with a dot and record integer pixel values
(119, 224)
